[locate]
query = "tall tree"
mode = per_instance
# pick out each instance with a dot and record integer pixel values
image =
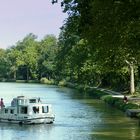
(29, 58)
(15, 60)
(111, 28)
(47, 51)
(4, 68)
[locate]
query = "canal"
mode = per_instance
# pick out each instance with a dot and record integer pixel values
(78, 116)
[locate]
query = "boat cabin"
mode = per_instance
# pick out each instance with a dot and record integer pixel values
(22, 105)
(27, 108)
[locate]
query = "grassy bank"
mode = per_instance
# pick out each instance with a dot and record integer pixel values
(119, 103)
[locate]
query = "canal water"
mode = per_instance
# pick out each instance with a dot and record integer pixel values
(78, 116)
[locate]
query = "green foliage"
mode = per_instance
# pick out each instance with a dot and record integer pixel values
(29, 59)
(47, 81)
(106, 98)
(110, 100)
(47, 52)
(62, 83)
(4, 67)
(96, 93)
(130, 106)
(97, 39)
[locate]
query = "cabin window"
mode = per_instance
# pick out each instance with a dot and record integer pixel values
(32, 100)
(45, 109)
(22, 102)
(36, 109)
(23, 110)
(6, 110)
(12, 111)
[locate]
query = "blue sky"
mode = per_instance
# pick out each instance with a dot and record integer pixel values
(21, 17)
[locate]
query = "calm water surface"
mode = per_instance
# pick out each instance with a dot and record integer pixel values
(78, 116)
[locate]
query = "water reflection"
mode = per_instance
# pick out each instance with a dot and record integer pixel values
(28, 132)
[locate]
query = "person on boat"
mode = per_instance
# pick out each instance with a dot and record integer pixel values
(13, 103)
(2, 103)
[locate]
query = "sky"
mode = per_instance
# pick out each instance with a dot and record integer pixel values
(18, 18)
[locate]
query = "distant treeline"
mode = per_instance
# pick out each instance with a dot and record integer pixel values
(29, 59)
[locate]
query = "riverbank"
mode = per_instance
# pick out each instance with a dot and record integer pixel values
(116, 99)
(113, 98)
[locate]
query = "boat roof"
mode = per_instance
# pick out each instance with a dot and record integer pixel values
(24, 97)
(29, 100)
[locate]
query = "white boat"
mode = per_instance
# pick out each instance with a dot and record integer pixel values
(25, 110)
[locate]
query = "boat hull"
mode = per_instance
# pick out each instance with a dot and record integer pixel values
(41, 120)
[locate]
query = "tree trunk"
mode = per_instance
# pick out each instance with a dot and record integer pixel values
(132, 83)
(15, 75)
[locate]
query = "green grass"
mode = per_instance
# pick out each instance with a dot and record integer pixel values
(118, 103)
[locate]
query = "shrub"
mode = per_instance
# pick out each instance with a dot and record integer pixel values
(130, 106)
(108, 99)
(62, 83)
(33, 81)
(97, 94)
(44, 80)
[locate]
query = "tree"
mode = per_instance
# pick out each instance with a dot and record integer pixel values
(29, 58)
(47, 51)
(4, 68)
(110, 27)
(15, 59)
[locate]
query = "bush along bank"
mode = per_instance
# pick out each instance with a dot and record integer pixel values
(96, 93)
